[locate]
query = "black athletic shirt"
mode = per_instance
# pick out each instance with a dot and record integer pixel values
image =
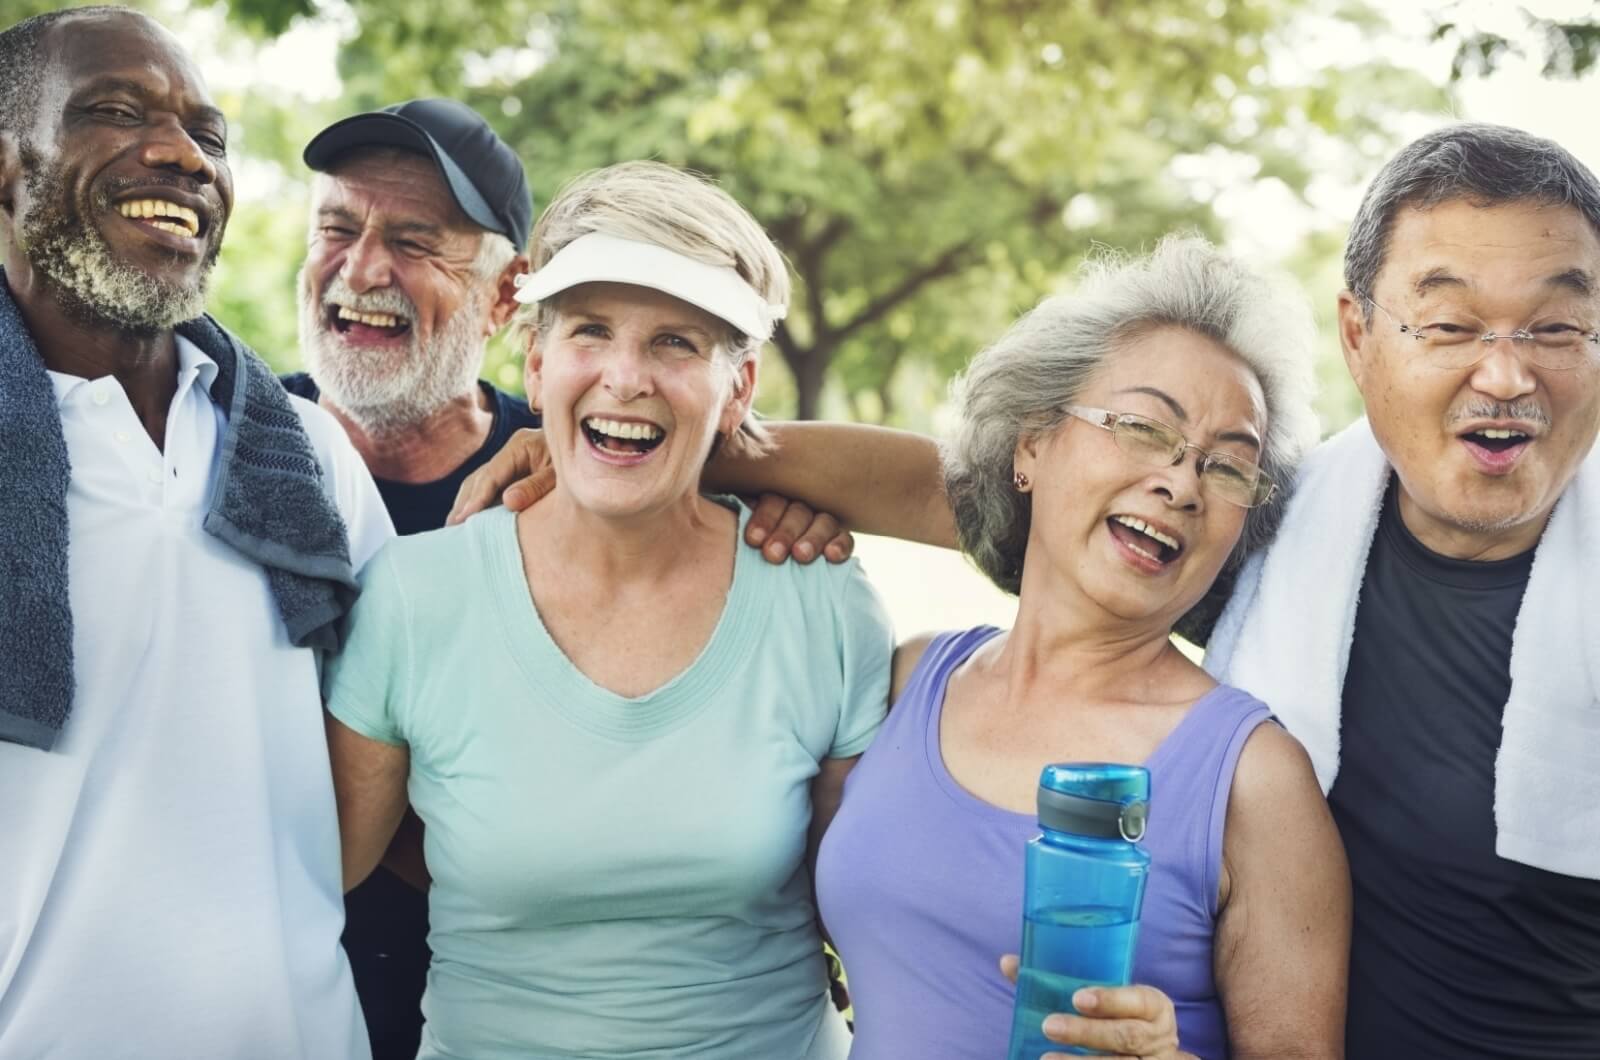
(1456, 953)
(419, 506)
(386, 919)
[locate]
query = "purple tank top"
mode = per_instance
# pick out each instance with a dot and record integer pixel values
(920, 882)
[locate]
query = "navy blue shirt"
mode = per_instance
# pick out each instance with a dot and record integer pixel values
(386, 919)
(419, 506)
(1456, 952)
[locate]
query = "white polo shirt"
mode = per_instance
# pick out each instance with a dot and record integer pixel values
(169, 875)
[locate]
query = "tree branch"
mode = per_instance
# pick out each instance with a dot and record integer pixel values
(948, 262)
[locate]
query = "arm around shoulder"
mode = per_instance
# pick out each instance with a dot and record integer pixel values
(1282, 945)
(874, 479)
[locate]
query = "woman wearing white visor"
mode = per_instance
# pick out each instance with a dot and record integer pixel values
(616, 721)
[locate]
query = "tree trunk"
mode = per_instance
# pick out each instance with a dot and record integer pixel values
(809, 373)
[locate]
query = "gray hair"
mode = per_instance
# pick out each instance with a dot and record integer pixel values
(1020, 385)
(1485, 164)
(495, 252)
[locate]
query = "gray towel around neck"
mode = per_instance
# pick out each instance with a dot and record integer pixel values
(268, 502)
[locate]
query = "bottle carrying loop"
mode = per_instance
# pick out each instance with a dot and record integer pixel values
(1131, 821)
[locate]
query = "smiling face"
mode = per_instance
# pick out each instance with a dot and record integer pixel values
(121, 190)
(394, 306)
(634, 386)
(1482, 453)
(1139, 542)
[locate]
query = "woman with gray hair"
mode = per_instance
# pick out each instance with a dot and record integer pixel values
(1118, 450)
(616, 722)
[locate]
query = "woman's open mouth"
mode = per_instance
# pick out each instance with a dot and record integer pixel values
(628, 440)
(1154, 546)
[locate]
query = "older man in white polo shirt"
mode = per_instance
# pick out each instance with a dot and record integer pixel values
(178, 539)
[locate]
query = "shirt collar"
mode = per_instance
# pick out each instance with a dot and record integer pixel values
(193, 365)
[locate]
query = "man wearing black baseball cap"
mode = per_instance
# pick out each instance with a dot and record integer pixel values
(419, 217)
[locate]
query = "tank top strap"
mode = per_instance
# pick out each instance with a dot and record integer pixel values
(944, 653)
(1191, 777)
(927, 682)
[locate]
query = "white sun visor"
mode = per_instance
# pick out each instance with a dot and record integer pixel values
(599, 258)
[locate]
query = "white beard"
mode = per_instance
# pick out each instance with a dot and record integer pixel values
(78, 264)
(390, 391)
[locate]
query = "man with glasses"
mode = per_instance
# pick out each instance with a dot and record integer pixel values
(1424, 623)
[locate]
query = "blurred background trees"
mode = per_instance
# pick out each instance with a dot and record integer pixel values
(931, 168)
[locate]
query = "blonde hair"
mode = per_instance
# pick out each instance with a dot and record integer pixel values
(685, 212)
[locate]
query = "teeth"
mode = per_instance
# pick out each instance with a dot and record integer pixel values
(1142, 552)
(377, 320)
(1149, 531)
(1499, 434)
(641, 432)
(188, 221)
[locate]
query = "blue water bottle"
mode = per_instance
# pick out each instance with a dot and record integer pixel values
(1084, 884)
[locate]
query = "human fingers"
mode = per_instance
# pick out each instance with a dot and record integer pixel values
(840, 547)
(785, 541)
(1135, 1021)
(826, 538)
(765, 515)
(522, 455)
(1009, 965)
(525, 492)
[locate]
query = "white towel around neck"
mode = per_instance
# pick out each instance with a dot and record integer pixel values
(1285, 637)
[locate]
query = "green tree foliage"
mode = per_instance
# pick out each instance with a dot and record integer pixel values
(1563, 48)
(930, 167)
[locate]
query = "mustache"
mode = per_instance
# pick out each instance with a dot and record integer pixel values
(1524, 409)
(381, 300)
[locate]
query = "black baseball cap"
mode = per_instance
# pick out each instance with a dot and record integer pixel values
(484, 175)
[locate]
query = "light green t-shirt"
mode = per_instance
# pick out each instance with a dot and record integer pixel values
(613, 877)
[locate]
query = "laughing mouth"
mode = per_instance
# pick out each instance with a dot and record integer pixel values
(1145, 539)
(162, 215)
(622, 437)
(343, 318)
(1497, 440)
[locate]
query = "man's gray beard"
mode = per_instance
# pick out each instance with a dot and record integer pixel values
(383, 397)
(79, 269)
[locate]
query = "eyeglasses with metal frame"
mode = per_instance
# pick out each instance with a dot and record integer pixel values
(1231, 478)
(1455, 340)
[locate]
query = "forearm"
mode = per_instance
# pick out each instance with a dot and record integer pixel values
(874, 479)
(369, 790)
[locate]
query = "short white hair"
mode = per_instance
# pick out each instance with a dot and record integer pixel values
(495, 252)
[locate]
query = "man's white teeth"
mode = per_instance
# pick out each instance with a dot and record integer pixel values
(1149, 531)
(638, 432)
(376, 320)
(1497, 434)
(188, 222)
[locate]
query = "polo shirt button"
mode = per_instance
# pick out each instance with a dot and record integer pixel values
(102, 395)
(154, 475)
(122, 436)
